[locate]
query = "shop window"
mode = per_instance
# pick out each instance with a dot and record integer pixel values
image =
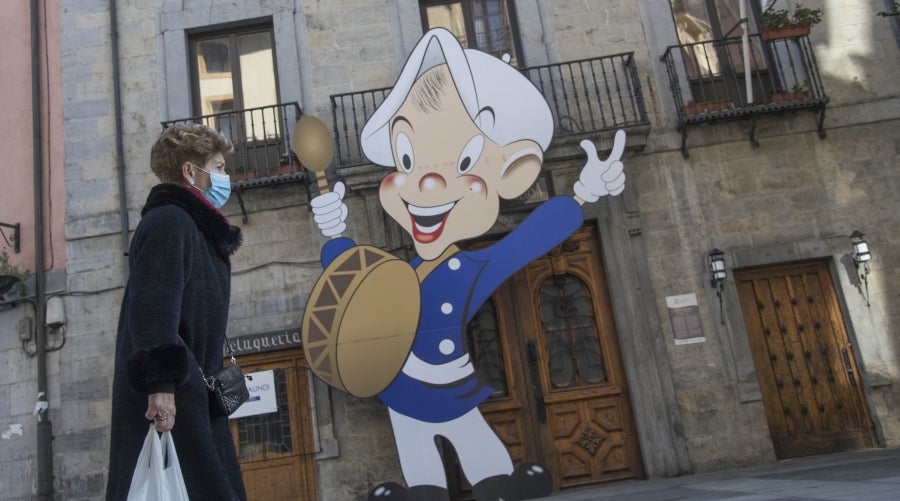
(267, 435)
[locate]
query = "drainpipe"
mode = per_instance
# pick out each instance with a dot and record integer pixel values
(44, 427)
(120, 155)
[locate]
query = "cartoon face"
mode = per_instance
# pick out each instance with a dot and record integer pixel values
(449, 176)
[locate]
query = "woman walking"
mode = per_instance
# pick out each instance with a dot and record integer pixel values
(173, 318)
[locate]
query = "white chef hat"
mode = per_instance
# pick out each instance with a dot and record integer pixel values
(482, 80)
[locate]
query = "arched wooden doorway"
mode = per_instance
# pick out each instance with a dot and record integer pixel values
(546, 342)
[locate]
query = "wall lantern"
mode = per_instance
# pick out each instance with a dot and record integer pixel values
(716, 263)
(861, 258)
(717, 268)
(860, 248)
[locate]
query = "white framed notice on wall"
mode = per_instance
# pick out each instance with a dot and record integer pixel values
(684, 314)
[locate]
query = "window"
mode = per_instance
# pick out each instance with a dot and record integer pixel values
(698, 21)
(486, 25)
(235, 91)
(567, 317)
(264, 435)
(235, 72)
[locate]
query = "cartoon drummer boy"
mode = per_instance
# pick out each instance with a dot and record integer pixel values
(462, 130)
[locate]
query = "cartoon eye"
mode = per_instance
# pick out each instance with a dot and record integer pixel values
(404, 151)
(470, 154)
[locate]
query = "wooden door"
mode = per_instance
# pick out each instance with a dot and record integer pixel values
(807, 373)
(277, 450)
(547, 344)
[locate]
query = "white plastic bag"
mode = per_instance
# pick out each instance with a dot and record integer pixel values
(152, 479)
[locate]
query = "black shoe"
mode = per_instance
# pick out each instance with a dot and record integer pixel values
(528, 481)
(428, 493)
(392, 491)
(389, 491)
(494, 488)
(532, 481)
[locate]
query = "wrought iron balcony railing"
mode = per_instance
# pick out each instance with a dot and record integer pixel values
(262, 143)
(709, 82)
(585, 96)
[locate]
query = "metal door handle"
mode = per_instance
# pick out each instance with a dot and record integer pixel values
(846, 356)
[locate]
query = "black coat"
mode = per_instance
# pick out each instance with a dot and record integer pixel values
(172, 325)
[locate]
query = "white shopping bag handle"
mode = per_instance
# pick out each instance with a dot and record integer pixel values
(153, 480)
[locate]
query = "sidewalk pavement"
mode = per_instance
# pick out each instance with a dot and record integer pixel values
(872, 475)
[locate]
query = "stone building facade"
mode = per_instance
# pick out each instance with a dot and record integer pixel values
(702, 383)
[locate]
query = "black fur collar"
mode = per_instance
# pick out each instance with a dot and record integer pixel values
(224, 237)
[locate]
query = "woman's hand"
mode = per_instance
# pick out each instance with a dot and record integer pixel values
(161, 410)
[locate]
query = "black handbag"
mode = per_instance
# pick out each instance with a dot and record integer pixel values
(227, 388)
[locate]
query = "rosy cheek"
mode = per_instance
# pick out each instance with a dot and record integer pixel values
(393, 181)
(476, 185)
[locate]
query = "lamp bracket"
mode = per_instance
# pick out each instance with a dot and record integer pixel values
(895, 10)
(15, 238)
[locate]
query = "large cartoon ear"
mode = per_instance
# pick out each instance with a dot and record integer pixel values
(521, 169)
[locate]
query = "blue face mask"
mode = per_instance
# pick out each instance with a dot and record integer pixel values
(219, 190)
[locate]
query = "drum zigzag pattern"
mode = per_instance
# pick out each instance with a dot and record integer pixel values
(321, 320)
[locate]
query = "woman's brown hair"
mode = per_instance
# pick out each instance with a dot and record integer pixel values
(178, 144)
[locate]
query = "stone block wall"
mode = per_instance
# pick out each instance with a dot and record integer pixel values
(793, 188)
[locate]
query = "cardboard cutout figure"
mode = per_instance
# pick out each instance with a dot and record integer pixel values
(462, 130)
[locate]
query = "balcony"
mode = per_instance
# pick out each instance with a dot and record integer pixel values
(709, 84)
(585, 97)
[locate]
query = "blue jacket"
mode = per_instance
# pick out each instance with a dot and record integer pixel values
(438, 382)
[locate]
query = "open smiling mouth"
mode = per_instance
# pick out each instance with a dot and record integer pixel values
(428, 222)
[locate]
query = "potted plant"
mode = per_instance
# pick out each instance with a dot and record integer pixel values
(693, 109)
(783, 23)
(797, 94)
(288, 164)
(12, 276)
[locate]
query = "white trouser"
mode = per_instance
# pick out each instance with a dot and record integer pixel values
(481, 453)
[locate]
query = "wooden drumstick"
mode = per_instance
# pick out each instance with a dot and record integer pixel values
(314, 147)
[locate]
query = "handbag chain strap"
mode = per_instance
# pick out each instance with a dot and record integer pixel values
(209, 380)
(230, 351)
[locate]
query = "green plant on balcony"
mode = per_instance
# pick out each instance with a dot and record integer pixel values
(784, 23)
(12, 276)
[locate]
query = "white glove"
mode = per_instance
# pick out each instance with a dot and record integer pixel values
(602, 177)
(330, 212)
